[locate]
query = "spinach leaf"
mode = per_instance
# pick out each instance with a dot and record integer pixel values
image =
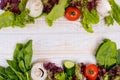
(28, 52)
(12, 66)
(17, 52)
(118, 57)
(2, 73)
(106, 54)
(11, 75)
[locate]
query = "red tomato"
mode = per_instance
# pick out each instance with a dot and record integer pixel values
(72, 13)
(91, 71)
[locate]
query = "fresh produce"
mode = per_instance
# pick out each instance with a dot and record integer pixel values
(72, 13)
(38, 72)
(69, 68)
(19, 68)
(91, 72)
(35, 7)
(89, 12)
(108, 61)
(106, 54)
(15, 14)
(53, 15)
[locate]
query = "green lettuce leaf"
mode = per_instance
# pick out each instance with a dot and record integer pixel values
(60, 76)
(89, 18)
(22, 5)
(56, 12)
(6, 19)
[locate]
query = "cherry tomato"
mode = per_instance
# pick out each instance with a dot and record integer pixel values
(91, 72)
(72, 13)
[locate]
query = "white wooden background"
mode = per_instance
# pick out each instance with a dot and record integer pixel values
(64, 39)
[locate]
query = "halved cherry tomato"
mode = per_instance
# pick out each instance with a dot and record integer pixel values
(91, 72)
(72, 13)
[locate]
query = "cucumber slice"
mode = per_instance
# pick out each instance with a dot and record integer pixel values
(69, 68)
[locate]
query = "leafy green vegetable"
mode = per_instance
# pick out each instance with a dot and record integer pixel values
(6, 19)
(79, 75)
(22, 5)
(115, 11)
(19, 68)
(11, 75)
(118, 57)
(106, 54)
(60, 76)
(22, 19)
(89, 18)
(56, 12)
(109, 20)
(2, 73)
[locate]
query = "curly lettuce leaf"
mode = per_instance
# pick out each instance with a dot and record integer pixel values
(56, 12)
(9, 19)
(60, 76)
(89, 18)
(22, 5)
(6, 19)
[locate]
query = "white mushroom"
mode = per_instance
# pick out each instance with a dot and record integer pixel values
(35, 7)
(38, 72)
(103, 8)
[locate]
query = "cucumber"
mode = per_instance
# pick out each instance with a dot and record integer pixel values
(69, 68)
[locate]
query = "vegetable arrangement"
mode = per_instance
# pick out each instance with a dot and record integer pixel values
(22, 12)
(107, 67)
(20, 66)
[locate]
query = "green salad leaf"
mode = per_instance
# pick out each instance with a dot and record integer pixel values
(106, 54)
(56, 12)
(115, 11)
(89, 18)
(60, 76)
(6, 19)
(22, 5)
